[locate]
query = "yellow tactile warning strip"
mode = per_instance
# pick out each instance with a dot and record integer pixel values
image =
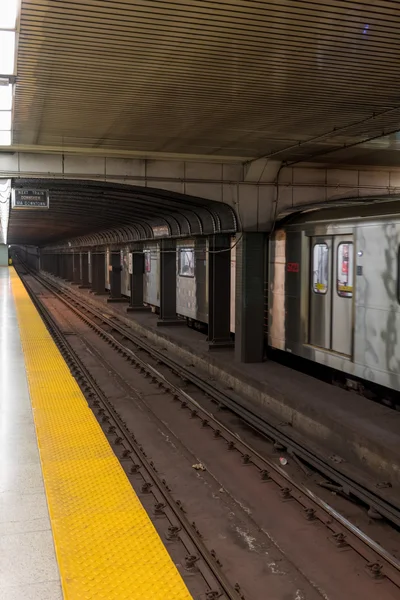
(106, 545)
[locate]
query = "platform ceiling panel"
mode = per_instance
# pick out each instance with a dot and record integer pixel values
(293, 79)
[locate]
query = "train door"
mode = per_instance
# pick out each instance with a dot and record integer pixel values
(321, 297)
(342, 305)
(331, 311)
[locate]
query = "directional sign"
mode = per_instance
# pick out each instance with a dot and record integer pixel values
(30, 199)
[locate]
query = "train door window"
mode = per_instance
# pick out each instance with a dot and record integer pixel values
(186, 262)
(320, 268)
(147, 261)
(344, 282)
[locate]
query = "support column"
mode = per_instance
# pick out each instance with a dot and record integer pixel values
(168, 284)
(84, 264)
(136, 270)
(76, 269)
(58, 265)
(250, 300)
(63, 273)
(219, 292)
(69, 259)
(115, 278)
(99, 274)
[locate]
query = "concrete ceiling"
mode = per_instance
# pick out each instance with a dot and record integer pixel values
(293, 79)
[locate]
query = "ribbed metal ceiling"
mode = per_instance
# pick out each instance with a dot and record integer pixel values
(239, 78)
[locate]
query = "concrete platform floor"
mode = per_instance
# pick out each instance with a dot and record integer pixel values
(28, 566)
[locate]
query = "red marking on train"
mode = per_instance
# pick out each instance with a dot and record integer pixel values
(293, 267)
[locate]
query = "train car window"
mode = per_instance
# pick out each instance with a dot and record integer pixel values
(344, 283)
(186, 262)
(147, 261)
(320, 268)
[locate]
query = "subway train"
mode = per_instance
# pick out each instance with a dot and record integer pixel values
(334, 290)
(191, 278)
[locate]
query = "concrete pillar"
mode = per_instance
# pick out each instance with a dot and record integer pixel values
(70, 267)
(99, 274)
(63, 266)
(136, 270)
(250, 297)
(58, 266)
(168, 284)
(76, 268)
(67, 266)
(115, 278)
(84, 265)
(219, 292)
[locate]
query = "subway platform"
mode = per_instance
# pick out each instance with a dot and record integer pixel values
(71, 526)
(356, 433)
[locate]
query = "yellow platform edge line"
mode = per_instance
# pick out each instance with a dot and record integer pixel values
(106, 545)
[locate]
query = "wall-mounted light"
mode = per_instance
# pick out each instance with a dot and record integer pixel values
(8, 33)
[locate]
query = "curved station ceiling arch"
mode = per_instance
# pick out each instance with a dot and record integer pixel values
(113, 213)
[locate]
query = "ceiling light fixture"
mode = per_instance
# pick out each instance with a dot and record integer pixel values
(5, 138)
(9, 24)
(6, 97)
(8, 13)
(5, 120)
(7, 52)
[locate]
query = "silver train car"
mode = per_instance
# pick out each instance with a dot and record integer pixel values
(334, 290)
(125, 277)
(191, 279)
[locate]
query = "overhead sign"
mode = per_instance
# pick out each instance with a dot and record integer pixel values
(30, 199)
(161, 231)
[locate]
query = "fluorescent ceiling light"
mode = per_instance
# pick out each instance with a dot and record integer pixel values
(5, 97)
(8, 14)
(7, 52)
(5, 138)
(5, 120)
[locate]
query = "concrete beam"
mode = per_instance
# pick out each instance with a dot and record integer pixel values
(259, 191)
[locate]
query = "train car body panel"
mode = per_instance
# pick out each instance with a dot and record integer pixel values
(151, 277)
(192, 279)
(107, 265)
(334, 292)
(233, 283)
(125, 275)
(186, 279)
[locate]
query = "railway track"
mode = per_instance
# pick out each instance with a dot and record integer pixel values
(378, 563)
(197, 558)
